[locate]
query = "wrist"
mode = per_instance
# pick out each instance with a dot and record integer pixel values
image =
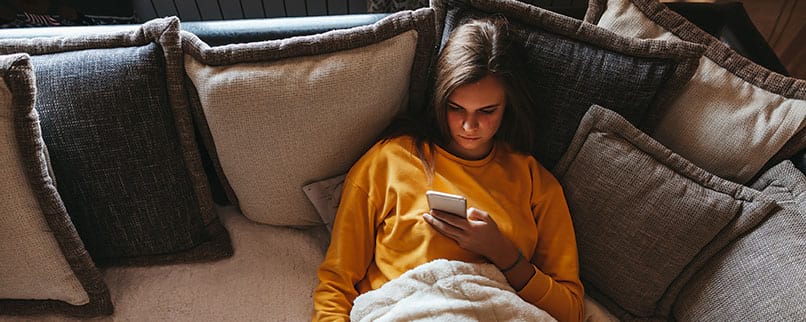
(513, 265)
(509, 259)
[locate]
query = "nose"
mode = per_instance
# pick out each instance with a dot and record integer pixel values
(470, 123)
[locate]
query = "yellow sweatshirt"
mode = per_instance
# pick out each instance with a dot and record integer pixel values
(379, 232)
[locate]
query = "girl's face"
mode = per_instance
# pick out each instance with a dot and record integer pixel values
(475, 111)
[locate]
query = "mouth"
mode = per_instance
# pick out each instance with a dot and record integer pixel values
(469, 138)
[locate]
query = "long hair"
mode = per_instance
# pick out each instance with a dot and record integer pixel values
(476, 48)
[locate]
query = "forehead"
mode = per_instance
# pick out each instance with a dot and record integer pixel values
(486, 92)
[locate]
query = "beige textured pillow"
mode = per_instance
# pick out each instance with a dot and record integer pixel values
(44, 266)
(734, 116)
(278, 114)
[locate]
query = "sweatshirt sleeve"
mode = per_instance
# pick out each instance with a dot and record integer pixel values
(555, 287)
(348, 256)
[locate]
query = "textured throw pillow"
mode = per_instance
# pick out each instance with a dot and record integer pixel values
(646, 219)
(786, 184)
(325, 196)
(43, 264)
(761, 276)
(277, 114)
(734, 116)
(115, 118)
(572, 65)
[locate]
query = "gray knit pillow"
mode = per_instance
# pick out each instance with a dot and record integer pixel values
(44, 266)
(114, 116)
(760, 276)
(645, 218)
(572, 64)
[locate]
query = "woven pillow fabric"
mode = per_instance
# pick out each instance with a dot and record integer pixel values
(760, 276)
(44, 266)
(786, 184)
(572, 65)
(734, 116)
(646, 219)
(277, 115)
(115, 119)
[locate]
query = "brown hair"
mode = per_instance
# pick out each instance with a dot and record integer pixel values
(475, 49)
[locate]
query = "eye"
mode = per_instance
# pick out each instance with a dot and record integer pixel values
(454, 108)
(488, 111)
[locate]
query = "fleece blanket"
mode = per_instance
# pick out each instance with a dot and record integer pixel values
(444, 290)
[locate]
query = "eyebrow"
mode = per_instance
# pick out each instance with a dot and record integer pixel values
(481, 108)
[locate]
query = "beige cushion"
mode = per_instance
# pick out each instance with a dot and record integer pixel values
(279, 114)
(42, 260)
(734, 115)
(272, 274)
(270, 277)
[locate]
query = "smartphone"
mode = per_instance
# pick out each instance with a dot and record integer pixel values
(446, 202)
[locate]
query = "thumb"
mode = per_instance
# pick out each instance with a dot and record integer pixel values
(477, 214)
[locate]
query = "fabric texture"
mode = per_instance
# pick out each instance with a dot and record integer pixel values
(647, 219)
(380, 233)
(115, 118)
(735, 117)
(382, 6)
(345, 85)
(271, 274)
(572, 65)
(44, 266)
(784, 183)
(325, 196)
(445, 290)
(760, 276)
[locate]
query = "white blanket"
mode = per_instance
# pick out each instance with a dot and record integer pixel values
(445, 290)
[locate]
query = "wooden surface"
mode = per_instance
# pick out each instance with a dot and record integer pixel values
(782, 24)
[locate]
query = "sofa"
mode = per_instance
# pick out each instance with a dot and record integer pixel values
(190, 171)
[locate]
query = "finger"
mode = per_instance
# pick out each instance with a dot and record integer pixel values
(477, 214)
(450, 219)
(442, 227)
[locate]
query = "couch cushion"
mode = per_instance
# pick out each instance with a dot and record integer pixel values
(734, 116)
(278, 114)
(646, 219)
(572, 65)
(271, 275)
(115, 119)
(44, 266)
(760, 276)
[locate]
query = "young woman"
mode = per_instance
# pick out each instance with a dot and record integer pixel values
(475, 142)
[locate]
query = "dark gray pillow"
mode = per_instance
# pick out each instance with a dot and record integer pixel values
(761, 276)
(645, 218)
(45, 267)
(115, 118)
(573, 64)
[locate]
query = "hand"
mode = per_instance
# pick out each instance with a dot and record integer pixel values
(477, 233)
